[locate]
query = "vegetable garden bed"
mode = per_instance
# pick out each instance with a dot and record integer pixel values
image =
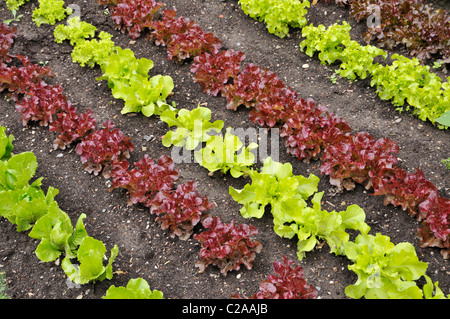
(168, 259)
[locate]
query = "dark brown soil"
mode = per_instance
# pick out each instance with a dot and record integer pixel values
(146, 250)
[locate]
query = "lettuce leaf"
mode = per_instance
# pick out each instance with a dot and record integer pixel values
(227, 154)
(24, 207)
(384, 270)
(135, 289)
(17, 171)
(57, 234)
(192, 127)
(90, 268)
(6, 145)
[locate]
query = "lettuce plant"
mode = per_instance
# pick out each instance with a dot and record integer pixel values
(287, 283)
(7, 35)
(42, 103)
(145, 179)
(135, 289)
(181, 209)
(405, 80)
(103, 147)
(309, 128)
(227, 246)
(274, 185)
(384, 270)
(357, 158)
(227, 154)
(90, 267)
(134, 16)
(19, 80)
(407, 190)
(182, 37)
(17, 171)
(75, 31)
(14, 5)
(50, 12)
(277, 15)
(71, 126)
(435, 211)
(128, 79)
(287, 195)
(24, 207)
(6, 145)
(214, 71)
(57, 235)
(415, 24)
(193, 127)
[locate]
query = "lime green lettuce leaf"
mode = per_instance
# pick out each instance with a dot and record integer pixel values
(313, 225)
(17, 171)
(135, 289)
(6, 145)
(384, 270)
(192, 127)
(50, 11)
(128, 80)
(75, 31)
(227, 154)
(444, 119)
(277, 15)
(57, 234)
(90, 268)
(25, 206)
(14, 5)
(329, 42)
(94, 52)
(432, 291)
(275, 185)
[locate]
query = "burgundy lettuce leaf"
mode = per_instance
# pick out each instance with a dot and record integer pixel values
(286, 283)
(103, 147)
(245, 88)
(227, 246)
(41, 103)
(181, 209)
(357, 158)
(214, 71)
(71, 126)
(308, 129)
(19, 80)
(428, 239)
(435, 211)
(183, 38)
(407, 190)
(7, 36)
(134, 16)
(145, 180)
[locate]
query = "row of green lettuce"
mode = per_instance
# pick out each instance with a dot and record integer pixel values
(384, 270)
(25, 204)
(409, 85)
